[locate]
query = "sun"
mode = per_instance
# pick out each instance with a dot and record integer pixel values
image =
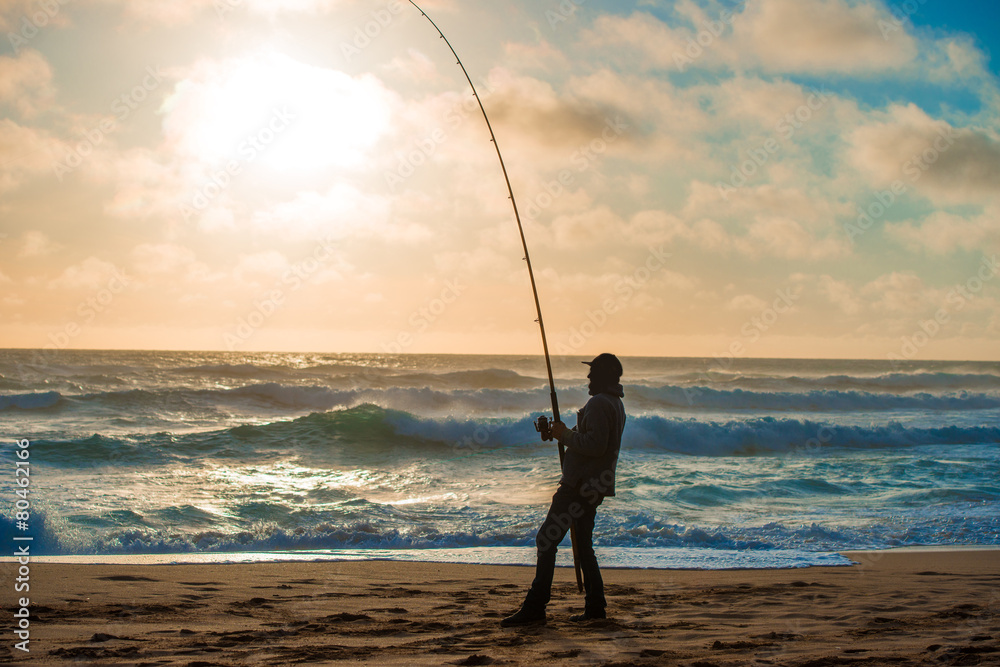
(270, 109)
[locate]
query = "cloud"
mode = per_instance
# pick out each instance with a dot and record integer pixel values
(900, 292)
(787, 238)
(92, 274)
(841, 294)
(541, 56)
(24, 152)
(36, 244)
(26, 83)
(746, 302)
(262, 268)
(740, 203)
(25, 18)
(178, 12)
(341, 212)
(414, 66)
(586, 228)
(821, 36)
(483, 261)
(779, 222)
(782, 36)
(948, 163)
(147, 183)
(655, 43)
(530, 107)
(942, 233)
(171, 262)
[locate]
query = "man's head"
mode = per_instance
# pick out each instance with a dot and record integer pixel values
(605, 372)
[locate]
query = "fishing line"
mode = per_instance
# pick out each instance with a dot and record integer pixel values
(527, 260)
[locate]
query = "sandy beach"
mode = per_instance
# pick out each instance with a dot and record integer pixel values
(898, 608)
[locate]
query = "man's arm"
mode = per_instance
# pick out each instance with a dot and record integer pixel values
(595, 441)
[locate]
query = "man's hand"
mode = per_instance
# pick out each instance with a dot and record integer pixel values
(558, 428)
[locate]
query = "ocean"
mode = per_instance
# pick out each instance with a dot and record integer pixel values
(192, 456)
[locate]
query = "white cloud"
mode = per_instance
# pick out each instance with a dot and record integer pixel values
(542, 55)
(841, 294)
(340, 212)
(26, 82)
(787, 238)
(92, 273)
(746, 302)
(184, 11)
(655, 42)
(900, 292)
(415, 67)
(262, 268)
(802, 36)
(172, 261)
(482, 261)
(948, 163)
(25, 18)
(36, 244)
(26, 152)
(821, 36)
(941, 233)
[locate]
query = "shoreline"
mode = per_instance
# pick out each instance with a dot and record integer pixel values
(523, 557)
(894, 607)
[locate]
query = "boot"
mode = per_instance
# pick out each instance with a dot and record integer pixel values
(589, 615)
(526, 615)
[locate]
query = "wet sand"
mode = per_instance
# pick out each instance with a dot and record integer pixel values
(893, 608)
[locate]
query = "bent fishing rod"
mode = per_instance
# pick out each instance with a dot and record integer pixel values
(542, 425)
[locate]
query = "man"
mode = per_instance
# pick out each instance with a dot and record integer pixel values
(588, 476)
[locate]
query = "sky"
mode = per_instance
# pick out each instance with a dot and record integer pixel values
(712, 178)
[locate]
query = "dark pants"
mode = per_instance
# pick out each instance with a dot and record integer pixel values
(567, 506)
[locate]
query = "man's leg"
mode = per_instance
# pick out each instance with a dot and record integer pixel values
(592, 580)
(565, 505)
(550, 534)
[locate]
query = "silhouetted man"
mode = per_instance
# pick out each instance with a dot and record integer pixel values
(588, 476)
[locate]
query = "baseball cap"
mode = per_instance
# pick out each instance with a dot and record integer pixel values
(606, 363)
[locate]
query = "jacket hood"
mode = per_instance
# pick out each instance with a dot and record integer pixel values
(615, 389)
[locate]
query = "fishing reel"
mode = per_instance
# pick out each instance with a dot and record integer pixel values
(544, 426)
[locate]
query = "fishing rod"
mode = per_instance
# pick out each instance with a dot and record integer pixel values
(542, 425)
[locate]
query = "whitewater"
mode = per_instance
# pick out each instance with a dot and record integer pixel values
(725, 463)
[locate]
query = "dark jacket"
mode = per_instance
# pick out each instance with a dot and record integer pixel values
(593, 444)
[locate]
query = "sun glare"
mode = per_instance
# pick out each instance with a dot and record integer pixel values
(276, 111)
